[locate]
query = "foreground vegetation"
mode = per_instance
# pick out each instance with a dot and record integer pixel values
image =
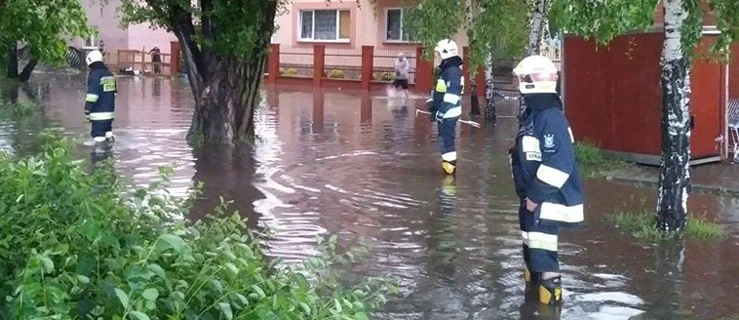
(73, 247)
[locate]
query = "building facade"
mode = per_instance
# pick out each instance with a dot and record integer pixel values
(103, 16)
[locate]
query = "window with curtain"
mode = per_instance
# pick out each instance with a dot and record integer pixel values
(394, 28)
(325, 25)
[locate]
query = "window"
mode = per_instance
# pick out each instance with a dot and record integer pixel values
(92, 40)
(394, 30)
(325, 25)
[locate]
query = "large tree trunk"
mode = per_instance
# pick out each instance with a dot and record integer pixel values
(12, 62)
(674, 179)
(537, 25)
(489, 86)
(475, 102)
(224, 112)
(225, 88)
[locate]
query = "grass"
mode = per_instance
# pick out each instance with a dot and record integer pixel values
(591, 160)
(21, 107)
(641, 224)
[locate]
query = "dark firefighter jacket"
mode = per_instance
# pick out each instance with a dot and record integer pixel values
(543, 161)
(101, 91)
(448, 89)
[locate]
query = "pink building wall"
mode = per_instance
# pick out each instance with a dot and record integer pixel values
(105, 17)
(368, 25)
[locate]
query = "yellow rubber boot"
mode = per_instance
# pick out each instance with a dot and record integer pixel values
(449, 167)
(550, 291)
(531, 280)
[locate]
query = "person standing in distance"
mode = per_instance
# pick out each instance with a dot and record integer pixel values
(402, 67)
(545, 175)
(446, 101)
(100, 100)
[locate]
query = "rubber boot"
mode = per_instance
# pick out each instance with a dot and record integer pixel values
(531, 280)
(550, 311)
(449, 167)
(550, 291)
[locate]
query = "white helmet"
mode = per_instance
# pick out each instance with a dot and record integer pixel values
(446, 49)
(536, 74)
(94, 56)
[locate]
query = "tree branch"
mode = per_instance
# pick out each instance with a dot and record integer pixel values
(28, 70)
(184, 30)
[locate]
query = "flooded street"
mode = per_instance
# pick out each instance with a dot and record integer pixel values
(367, 168)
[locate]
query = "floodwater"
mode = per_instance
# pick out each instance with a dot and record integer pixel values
(367, 168)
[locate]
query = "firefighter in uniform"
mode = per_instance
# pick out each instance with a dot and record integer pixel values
(445, 105)
(100, 100)
(545, 175)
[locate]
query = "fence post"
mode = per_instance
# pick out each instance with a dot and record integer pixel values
(368, 57)
(319, 57)
(174, 58)
(480, 81)
(424, 72)
(273, 60)
(365, 111)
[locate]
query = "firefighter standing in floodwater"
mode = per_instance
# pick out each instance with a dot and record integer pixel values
(100, 100)
(545, 175)
(446, 104)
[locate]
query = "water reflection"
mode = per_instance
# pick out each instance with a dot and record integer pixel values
(365, 166)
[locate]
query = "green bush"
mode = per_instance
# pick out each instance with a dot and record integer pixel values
(387, 76)
(74, 246)
(336, 74)
(290, 72)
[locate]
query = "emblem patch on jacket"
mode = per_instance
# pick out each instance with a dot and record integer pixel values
(548, 141)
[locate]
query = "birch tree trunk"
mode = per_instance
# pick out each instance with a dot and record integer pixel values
(489, 94)
(674, 179)
(537, 25)
(474, 100)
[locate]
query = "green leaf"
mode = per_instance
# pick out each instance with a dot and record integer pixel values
(226, 309)
(242, 299)
(122, 297)
(82, 279)
(157, 270)
(305, 307)
(217, 285)
(259, 291)
(139, 315)
(90, 229)
(361, 316)
(232, 268)
(150, 294)
(174, 242)
(47, 264)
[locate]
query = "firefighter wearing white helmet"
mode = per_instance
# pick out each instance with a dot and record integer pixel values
(545, 175)
(445, 104)
(100, 99)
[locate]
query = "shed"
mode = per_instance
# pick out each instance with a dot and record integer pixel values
(612, 97)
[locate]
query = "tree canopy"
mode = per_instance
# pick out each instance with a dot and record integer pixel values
(44, 25)
(495, 27)
(604, 20)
